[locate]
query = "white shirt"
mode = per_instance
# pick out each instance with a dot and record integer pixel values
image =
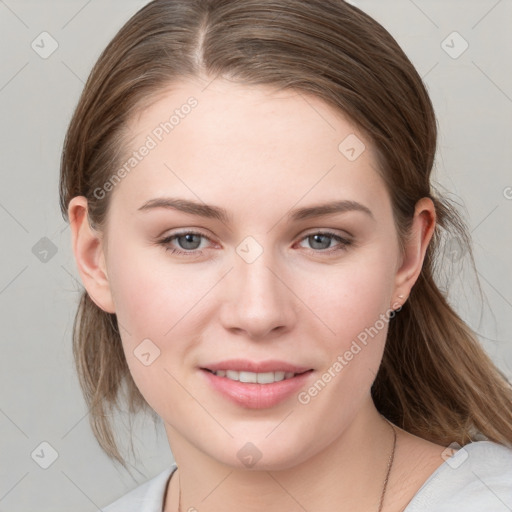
(478, 478)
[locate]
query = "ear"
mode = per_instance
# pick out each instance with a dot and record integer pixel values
(88, 248)
(422, 230)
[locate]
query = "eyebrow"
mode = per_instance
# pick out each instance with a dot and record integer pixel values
(215, 212)
(184, 205)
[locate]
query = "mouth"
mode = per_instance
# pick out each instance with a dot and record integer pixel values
(254, 377)
(255, 385)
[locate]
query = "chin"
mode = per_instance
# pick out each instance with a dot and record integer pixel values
(263, 454)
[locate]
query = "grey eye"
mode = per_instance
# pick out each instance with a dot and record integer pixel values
(319, 241)
(190, 242)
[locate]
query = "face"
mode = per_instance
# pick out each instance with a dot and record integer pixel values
(238, 268)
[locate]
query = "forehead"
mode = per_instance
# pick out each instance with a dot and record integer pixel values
(250, 143)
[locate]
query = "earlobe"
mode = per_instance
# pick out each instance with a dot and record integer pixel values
(88, 249)
(422, 229)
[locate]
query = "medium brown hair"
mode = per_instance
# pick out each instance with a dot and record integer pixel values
(435, 380)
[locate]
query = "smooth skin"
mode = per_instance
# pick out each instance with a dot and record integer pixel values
(259, 154)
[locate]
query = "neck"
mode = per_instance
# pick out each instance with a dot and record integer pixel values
(349, 471)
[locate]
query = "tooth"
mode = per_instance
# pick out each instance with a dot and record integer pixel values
(278, 376)
(252, 377)
(248, 377)
(265, 378)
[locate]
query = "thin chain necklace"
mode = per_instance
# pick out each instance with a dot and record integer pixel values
(384, 487)
(390, 464)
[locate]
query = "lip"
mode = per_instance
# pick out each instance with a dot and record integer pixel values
(251, 395)
(244, 365)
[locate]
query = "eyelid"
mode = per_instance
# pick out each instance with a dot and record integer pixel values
(328, 231)
(184, 231)
(176, 234)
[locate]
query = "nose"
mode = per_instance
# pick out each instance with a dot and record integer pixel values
(256, 300)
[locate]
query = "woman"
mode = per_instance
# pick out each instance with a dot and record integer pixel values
(248, 187)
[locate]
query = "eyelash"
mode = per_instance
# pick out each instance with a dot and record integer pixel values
(343, 243)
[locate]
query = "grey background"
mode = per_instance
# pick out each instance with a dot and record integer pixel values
(40, 400)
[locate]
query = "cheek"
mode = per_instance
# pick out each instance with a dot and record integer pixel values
(355, 305)
(150, 293)
(350, 297)
(158, 307)
(150, 298)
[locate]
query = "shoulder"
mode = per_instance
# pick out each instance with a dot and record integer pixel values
(477, 477)
(147, 497)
